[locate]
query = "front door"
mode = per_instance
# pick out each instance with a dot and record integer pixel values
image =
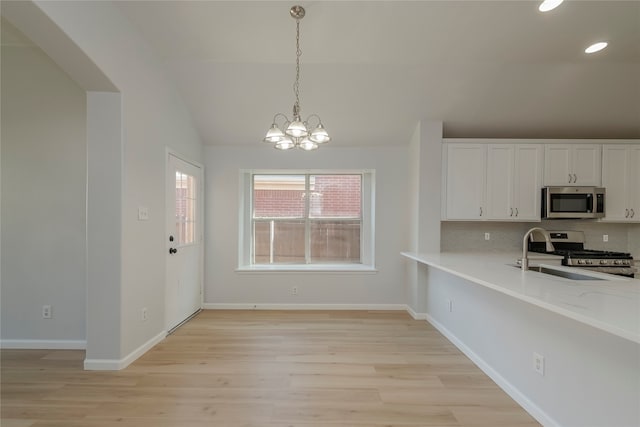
(184, 246)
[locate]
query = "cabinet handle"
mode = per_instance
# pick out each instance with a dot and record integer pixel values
(516, 211)
(511, 212)
(569, 178)
(575, 178)
(632, 213)
(480, 210)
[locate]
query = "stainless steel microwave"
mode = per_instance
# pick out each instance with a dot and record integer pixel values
(573, 202)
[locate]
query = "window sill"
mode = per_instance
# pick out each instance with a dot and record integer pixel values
(307, 268)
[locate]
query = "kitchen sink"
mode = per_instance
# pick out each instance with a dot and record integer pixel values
(562, 273)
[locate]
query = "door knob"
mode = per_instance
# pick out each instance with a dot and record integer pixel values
(172, 251)
(171, 238)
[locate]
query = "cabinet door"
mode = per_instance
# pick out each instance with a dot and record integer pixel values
(466, 166)
(587, 164)
(615, 179)
(634, 182)
(500, 171)
(527, 181)
(557, 164)
(573, 164)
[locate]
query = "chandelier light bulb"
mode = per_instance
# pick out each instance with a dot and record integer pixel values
(274, 134)
(308, 145)
(297, 132)
(285, 144)
(320, 135)
(297, 129)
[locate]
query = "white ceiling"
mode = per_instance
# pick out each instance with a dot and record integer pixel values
(373, 69)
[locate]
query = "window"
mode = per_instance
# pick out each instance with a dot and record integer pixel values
(185, 208)
(307, 220)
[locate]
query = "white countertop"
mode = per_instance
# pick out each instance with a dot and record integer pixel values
(612, 305)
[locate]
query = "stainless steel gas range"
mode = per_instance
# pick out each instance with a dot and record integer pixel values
(570, 245)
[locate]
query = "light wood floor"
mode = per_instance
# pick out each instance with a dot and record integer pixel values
(265, 369)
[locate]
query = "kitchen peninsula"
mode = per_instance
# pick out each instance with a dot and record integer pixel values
(583, 334)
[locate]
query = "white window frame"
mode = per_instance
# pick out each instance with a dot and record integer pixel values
(367, 232)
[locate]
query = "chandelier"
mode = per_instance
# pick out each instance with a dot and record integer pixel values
(297, 132)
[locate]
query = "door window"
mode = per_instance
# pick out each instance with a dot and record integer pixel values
(185, 208)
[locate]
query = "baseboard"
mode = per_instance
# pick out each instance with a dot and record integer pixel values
(416, 316)
(44, 344)
(534, 410)
(118, 364)
(249, 306)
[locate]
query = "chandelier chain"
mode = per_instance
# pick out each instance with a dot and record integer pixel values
(296, 84)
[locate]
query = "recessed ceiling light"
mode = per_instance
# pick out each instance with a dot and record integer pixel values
(596, 47)
(548, 5)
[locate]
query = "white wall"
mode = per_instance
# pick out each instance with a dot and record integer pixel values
(410, 267)
(587, 379)
(225, 286)
(153, 118)
(424, 186)
(43, 198)
(104, 219)
(430, 186)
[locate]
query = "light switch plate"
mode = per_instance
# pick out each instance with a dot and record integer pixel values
(143, 213)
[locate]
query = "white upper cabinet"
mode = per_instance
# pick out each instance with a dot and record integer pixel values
(492, 182)
(528, 164)
(499, 191)
(514, 179)
(621, 179)
(573, 164)
(464, 183)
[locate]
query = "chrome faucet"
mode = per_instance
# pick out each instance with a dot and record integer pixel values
(525, 248)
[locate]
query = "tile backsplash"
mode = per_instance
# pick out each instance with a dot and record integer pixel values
(634, 241)
(507, 236)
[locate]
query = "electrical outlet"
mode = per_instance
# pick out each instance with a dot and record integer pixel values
(46, 312)
(487, 236)
(538, 363)
(144, 315)
(294, 290)
(605, 237)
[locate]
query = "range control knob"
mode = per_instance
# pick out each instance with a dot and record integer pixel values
(589, 261)
(617, 262)
(580, 261)
(603, 261)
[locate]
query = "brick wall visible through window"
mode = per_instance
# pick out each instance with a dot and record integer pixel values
(307, 218)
